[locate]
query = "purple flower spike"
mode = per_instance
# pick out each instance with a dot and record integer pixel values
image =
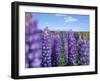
(56, 50)
(72, 51)
(65, 46)
(83, 50)
(32, 45)
(46, 48)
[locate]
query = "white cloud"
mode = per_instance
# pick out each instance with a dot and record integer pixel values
(70, 19)
(67, 18)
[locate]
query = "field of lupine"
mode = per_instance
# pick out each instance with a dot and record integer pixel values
(46, 48)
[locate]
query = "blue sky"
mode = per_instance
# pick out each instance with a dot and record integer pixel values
(62, 22)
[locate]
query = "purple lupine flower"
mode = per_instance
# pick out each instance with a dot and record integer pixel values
(76, 35)
(56, 50)
(27, 45)
(87, 52)
(33, 45)
(46, 48)
(72, 51)
(65, 46)
(83, 50)
(28, 16)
